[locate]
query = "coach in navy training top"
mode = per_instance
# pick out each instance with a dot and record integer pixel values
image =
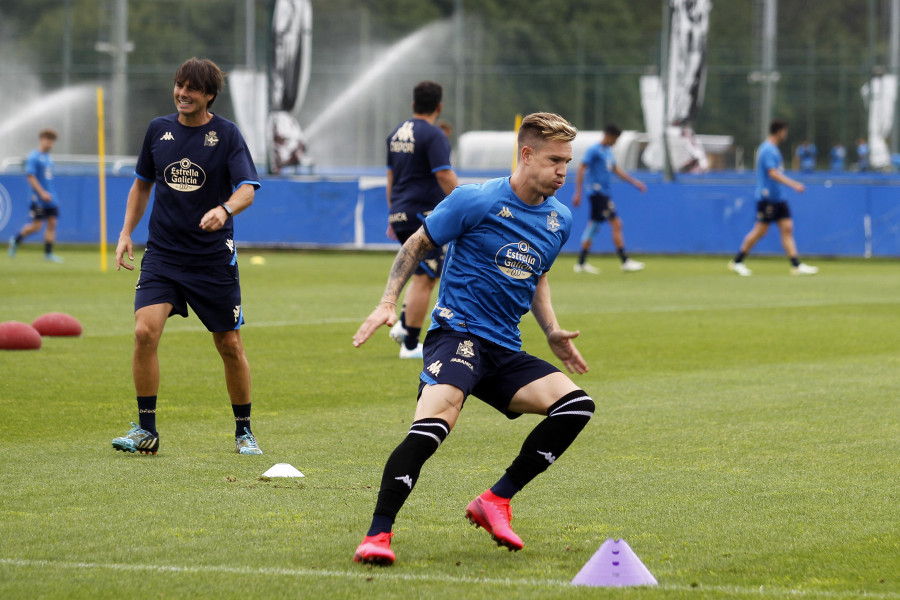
(203, 174)
(503, 236)
(419, 176)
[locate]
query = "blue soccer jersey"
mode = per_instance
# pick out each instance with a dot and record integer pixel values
(600, 162)
(194, 170)
(416, 150)
(41, 166)
(499, 248)
(768, 156)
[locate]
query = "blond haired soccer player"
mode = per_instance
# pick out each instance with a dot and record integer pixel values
(503, 236)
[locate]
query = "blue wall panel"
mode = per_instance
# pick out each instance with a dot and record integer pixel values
(690, 216)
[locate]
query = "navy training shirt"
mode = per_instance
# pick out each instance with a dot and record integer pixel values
(416, 150)
(194, 169)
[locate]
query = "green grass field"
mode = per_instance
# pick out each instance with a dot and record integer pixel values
(746, 441)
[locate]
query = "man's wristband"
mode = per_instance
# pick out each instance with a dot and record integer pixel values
(227, 209)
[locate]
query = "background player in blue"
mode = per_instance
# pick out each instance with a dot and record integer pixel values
(503, 236)
(419, 176)
(837, 156)
(595, 174)
(204, 175)
(807, 153)
(43, 207)
(771, 205)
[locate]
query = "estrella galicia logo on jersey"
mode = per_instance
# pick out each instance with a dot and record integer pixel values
(553, 221)
(518, 260)
(185, 176)
(404, 140)
(211, 139)
(466, 349)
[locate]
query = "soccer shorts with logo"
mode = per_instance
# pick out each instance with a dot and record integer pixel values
(213, 292)
(40, 211)
(486, 370)
(432, 264)
(602, 208)
(771, 212)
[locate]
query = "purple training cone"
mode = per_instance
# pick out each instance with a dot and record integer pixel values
(614, 565)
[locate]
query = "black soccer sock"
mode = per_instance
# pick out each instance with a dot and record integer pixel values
(147, 413)
(621, 252)
(739, 257)
(241, 418)
(546, 442)
(402, 470)
(795, 261)
(403, 316)
(48, 248)
(582, 256)
(19, 238)
(412, 337)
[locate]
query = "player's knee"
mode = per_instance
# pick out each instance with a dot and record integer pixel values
(575, 405)
(229, 347)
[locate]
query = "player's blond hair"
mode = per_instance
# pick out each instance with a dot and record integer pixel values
(539, 128)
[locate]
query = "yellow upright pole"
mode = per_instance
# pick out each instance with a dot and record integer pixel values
(516, 144)
(101, 152)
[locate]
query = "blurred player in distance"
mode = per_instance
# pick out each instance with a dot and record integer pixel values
(503, 236)
(43, 207)
(771, 206)
(204, 175)
(419, 176)
(595, 174)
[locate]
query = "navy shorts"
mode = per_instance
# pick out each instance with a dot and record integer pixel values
(602, 208)
(433, 263)
(213, 292)
(486, 370)
(770, 212)
(40, 212)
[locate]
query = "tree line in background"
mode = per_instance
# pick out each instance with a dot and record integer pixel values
(580, 58)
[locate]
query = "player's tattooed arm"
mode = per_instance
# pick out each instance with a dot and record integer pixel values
(410, 255)
(385, 313)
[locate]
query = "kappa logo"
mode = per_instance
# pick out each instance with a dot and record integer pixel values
(211, 139)
(553, 221)
(230, 244)
(466, 349)
(405, 479)
(548, 456)
(506, 213)
(404, 140)
(167, 137)
(237, 313)
(444, 313)
(435, 368)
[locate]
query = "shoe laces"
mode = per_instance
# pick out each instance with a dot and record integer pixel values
(248, 438)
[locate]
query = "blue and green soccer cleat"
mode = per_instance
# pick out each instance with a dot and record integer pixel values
(137, 440)
(246, 444)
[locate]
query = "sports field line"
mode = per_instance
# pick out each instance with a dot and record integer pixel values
(561, 307)
(364, 573)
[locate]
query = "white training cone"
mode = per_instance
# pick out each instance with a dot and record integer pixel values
(283, 470)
